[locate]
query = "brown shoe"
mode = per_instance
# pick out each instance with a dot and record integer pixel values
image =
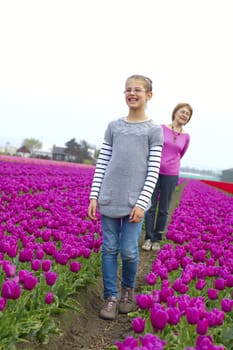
(127, 302)
(109, 309)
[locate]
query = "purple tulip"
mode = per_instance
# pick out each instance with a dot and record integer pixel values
(128, 343)
(46, 265)
(22, 274)
(183, 305)
(51, 277)
(179, 286)
(26, 255)
(204, 341)
(172, 264)
(30, 282)
(165, 293)
(11, 290)
(35, 265)
(151, 279)
(151, 342)
(13, 250)
(159, 318)
(212, 294)
(202, 326)
(186, 261)
(226, 305)
(138, 324)
(8, 268)
(2, 303)
(174, 315)
(75, 266)
(229, 281)
(192, 315)
(49, 248)
(172, 301)
(211, 316)
(40, 254)
(187, 277)
(144, 301)
(86, 253)
(49, 298)
(61, 258)
(45, 235)
(163, 272)
(219, 283)
(200, 284)
(219, 316)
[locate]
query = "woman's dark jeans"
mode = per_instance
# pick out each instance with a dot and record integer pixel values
(161, 197)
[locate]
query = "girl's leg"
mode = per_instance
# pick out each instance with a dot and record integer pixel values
(129, 253)
(130, 234)
(110, 248)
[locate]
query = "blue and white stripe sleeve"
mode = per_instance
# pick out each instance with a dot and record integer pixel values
(151, 178)
(101, 165)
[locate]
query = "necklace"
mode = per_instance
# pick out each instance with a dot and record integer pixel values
(176, 133)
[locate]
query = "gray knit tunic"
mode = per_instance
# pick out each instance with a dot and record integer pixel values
(127, 169)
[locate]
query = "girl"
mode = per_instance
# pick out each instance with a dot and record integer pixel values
(125, 177)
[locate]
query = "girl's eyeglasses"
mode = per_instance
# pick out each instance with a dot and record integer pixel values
(136, 91)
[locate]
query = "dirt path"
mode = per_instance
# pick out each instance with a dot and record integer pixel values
(86, 330)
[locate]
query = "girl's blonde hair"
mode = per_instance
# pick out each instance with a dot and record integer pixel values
(147, 81)
(182, 105)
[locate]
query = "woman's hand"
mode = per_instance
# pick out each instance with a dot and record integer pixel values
(92, 209)
(136, 215)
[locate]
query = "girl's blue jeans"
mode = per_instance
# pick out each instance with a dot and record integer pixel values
(119, 236)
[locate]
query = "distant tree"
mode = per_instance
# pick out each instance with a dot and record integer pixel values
(85, 151)
(97, 152)
(80, 152)
(32, 144)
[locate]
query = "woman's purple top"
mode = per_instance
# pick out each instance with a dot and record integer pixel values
(174, 147)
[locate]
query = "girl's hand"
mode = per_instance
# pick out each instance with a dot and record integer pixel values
(136, 215)
(92, 209)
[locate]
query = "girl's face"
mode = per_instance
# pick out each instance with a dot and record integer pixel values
(182, 116)
(136, 95)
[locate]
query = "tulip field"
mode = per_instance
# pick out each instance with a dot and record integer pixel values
(49, 249)
(187, 302)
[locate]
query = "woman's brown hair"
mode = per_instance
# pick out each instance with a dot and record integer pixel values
(182, 105)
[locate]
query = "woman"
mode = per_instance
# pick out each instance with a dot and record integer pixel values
(176, 142)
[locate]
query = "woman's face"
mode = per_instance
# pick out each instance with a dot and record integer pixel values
(136, 95)
(182, 116)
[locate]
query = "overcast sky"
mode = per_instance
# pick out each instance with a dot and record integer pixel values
(63, 66)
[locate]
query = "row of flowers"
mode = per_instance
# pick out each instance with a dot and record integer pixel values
(187, 301)
(47, 245)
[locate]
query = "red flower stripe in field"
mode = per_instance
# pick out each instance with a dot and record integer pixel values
(225, 186)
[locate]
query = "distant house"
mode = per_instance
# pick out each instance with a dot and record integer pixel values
(58, 153)
(227, 175)
(73, 155)
(23, 151)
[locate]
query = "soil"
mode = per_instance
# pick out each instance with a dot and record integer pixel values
(85, 330)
